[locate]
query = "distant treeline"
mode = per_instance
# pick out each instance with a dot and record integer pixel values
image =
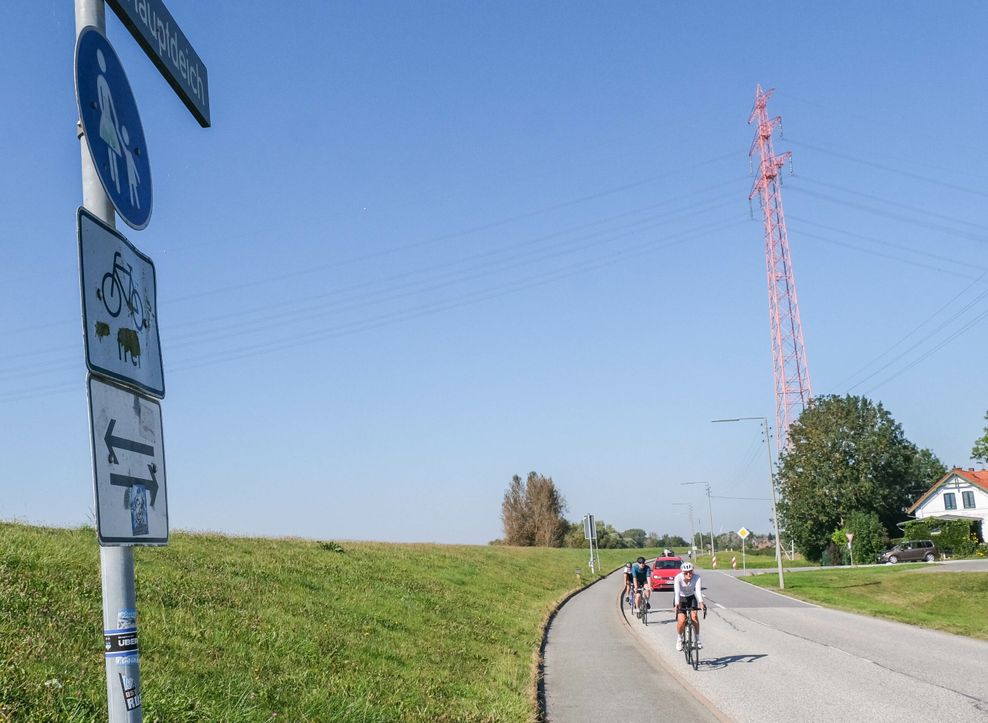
(533, 510)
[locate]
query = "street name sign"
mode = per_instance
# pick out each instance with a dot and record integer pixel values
(128, 466)
(119, 307)
(156, 31)
(112, 127)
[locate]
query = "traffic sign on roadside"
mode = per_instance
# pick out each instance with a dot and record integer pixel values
(128, 466)
(743, 533)
(119, 307)
(112, 127)
(156, 31)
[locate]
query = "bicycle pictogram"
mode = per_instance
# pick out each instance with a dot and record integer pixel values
(114, 293)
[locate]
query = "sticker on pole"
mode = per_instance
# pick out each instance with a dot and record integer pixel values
(128, 466)
(112, 127)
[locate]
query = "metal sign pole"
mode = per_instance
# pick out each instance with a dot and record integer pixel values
(123, 675)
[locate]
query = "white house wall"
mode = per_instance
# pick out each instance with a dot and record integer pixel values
(934, 505)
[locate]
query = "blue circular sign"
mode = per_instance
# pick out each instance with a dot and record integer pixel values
(112, 127)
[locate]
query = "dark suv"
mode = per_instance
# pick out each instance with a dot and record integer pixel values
(911, 551)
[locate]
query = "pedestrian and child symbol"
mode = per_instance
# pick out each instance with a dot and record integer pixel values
(112, 127)
(115, 135)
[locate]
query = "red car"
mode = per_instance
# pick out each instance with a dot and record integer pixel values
(664, 569)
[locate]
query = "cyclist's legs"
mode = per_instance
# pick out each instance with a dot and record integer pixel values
(696, 621)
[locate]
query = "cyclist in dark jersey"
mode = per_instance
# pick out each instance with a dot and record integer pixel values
(640, 573)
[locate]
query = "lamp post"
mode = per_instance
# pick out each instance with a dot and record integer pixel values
(771, 481)
(692, 528)
(689, 506)
(710, 510)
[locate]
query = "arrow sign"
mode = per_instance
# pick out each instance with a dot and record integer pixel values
(125, 480)
(129, 473)
(128, 444)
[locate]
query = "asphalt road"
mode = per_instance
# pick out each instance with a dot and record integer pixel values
(597, 670)
(767, 657)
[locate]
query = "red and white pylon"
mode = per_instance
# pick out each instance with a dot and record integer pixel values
(792, 373)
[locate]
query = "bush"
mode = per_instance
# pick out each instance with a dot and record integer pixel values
(961, 536)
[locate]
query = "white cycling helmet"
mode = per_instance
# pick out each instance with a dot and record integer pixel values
(686, 567)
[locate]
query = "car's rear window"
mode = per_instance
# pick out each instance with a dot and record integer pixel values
(668, 564)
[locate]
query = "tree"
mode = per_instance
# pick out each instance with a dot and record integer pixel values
(847, 454)
(870, 536)
(532, 512)
(514, 515)
(980, 449)
(636, 536)
(546, 506)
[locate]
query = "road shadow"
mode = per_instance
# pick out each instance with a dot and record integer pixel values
(724, 661)
(660, 621)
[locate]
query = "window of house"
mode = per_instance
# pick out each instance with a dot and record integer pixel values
(949, 501)
(968, 500)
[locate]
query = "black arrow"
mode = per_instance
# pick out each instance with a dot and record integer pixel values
(124, 480)
(121, 443)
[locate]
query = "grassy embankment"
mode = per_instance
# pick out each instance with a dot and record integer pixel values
(750, 562)
(954, 602)
(239, 629)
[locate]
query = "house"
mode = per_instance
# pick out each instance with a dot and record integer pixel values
(961, 494)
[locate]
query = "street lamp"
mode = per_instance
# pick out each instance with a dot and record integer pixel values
(710, 510)
(771, 481)
(692, 527)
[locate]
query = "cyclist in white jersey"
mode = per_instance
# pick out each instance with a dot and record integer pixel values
(686, 593)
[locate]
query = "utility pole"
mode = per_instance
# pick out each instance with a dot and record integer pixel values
(791, 371)
(692, 527)
(710, 510)
(771, 482)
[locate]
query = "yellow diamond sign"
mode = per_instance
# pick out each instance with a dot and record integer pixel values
(743, 533)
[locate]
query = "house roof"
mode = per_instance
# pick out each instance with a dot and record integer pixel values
(978, 478)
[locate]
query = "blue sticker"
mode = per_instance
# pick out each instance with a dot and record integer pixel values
(126, 618)
(139, 509)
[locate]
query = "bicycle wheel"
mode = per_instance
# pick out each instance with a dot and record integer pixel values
(688, 641)
(696, 654)
(114, 299)
(645, 611)
(136, 309)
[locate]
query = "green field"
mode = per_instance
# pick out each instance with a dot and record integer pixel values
(242, 629)
(750, 562)
(954, 602)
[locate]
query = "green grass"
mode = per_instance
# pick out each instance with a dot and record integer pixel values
(954, 602)
(751, 562)
(241, 629)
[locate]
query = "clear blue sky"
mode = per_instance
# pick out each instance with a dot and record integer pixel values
(427, 246)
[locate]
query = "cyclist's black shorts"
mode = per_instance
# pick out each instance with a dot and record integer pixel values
(687, 602)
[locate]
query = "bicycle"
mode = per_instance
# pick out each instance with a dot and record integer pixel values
(113, 297)
(690, 649)
(641, 612)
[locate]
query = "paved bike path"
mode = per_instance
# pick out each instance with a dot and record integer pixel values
(596, 671)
